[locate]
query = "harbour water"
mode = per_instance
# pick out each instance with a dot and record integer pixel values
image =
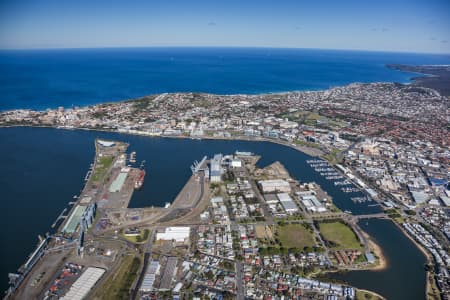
(404, 277)
(40, 79)
(43, 168)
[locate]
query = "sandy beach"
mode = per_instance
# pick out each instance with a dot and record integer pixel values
(382, 261)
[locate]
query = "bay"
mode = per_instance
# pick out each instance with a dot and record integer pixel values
(41, 79)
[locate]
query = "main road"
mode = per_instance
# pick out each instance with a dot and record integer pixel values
(147, 256)
(239, 280)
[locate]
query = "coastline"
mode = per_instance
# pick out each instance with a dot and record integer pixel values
(381, 264)
(417, 76)
(372, 293)
(379, 65)
(435, 77)
(407, 82)
(382, 260)
(419, 246)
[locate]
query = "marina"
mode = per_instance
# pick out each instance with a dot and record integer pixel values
(324, 169)
(350, 189)
(361, 199)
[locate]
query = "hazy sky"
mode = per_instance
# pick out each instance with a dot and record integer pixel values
(393, 25)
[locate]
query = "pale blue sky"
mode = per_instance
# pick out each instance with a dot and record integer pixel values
(402, 25)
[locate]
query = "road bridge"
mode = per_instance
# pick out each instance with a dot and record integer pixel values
(372, 216)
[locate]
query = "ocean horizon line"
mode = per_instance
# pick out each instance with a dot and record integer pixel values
(181, 47)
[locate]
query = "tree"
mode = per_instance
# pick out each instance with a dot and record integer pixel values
(263, 251)
(428, 267)
(209, 275)
(282, 223)
(307, 249)
(410, 212)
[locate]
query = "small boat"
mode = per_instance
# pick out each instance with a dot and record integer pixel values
(133, 157)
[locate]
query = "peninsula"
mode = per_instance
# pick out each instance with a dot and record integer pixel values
(436, 76)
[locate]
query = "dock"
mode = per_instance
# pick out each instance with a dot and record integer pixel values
(60, 217)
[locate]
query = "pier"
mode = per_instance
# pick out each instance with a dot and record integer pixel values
(61, 216)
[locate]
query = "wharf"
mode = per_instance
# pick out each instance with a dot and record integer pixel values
(122, 198)
(109, 161)
(190, 202)
(189, 194)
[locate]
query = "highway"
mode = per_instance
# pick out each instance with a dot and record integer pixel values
(239, 280)
(240, 293)
(147, 256)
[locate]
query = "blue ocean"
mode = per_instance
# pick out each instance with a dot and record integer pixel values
(41, 79)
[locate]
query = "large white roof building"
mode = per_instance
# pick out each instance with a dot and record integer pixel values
(179, 234)
(274, 185)
(83, 285)
(288, 204)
